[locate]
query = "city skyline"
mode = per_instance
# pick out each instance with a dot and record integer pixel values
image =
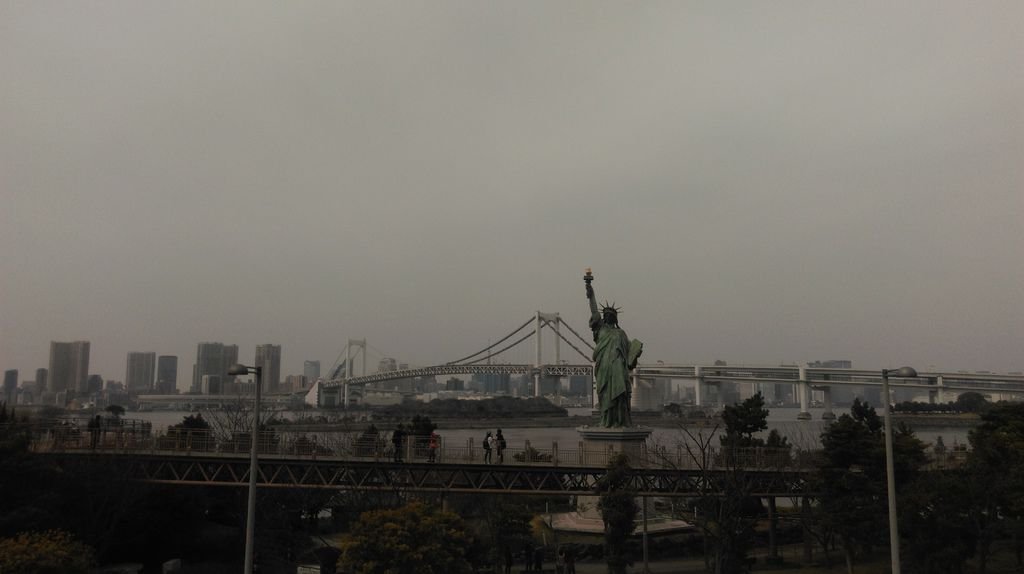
(270, 357)
(755, 183)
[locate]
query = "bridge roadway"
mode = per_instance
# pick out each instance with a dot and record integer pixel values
(941, 386)
(310, 471)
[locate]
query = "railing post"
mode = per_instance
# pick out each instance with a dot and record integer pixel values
(554, 453)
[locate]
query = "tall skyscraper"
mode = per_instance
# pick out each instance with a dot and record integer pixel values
(213, 359)
(311, 370)
(141, 371)
(69, 367)
(10, 386)
(269, 357)
(167, 374)
(41, 377)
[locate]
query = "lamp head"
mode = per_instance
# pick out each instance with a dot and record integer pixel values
(904, 372)
(236, 370)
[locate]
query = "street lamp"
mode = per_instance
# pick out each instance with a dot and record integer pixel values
(890, 477)
(250, 516)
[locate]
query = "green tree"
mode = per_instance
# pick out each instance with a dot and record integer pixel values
(413, 539)
(935, 521)
(192, 432)
(852, 478)
(972, 402)
(507, 526)
(421, 426)
(49, 552)
(116, 410)
(743, 421)
(618, 508)
(995, 473)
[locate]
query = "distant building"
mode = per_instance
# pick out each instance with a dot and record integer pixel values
(94, 385)
(212, 385)
(454, 384)
(140, 372)
(311, 370)
(841, 394)
(549, 386)
(269, 358)
(41, 376)
(294, 383)
(10, 386)
(213, 359)
(496, 383)
(581, 385)
(728, 393)
(69, 368)
(166, 375)
(831, 364)
(386, 365)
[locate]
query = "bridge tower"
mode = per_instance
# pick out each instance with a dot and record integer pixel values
(541, 320)
(353, 350)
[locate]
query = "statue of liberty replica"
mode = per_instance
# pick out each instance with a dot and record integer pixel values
(614, 357)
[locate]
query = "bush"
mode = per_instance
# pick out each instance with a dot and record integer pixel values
(50, 552)
(531, 454)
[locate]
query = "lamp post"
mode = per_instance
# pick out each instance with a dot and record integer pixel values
(890, 476)
(250, 515)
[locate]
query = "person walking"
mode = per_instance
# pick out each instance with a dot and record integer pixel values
(397, 438)
(95, 425)
(433, 445)
(508, 560)
(500, 440)
(488, 444)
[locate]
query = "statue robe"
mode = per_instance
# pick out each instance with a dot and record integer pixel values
(611, 372)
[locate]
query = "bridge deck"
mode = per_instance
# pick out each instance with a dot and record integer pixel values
(294, 471)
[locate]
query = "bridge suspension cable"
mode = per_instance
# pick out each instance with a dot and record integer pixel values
(574, 347)
(573, 331)
(500, 351)
(495, 344)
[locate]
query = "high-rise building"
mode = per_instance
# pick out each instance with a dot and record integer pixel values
(167, 374)
(269, 358)
(69, 367)
(138, 377)
(10, 386)
(311, 370)
(213, 359)
(94, 385)
(386, 365)
(294, 383)
(41, 376)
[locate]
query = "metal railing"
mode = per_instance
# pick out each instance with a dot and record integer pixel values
(44, 436)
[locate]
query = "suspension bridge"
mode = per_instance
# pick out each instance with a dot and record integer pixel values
(941, 386)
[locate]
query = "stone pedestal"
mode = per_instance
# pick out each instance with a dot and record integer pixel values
(599, 445)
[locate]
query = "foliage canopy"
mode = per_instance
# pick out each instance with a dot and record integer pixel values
(413, 539)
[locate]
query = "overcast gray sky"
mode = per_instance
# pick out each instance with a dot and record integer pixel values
(757, 182)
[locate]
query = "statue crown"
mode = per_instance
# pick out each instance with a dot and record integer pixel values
(606, 308)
